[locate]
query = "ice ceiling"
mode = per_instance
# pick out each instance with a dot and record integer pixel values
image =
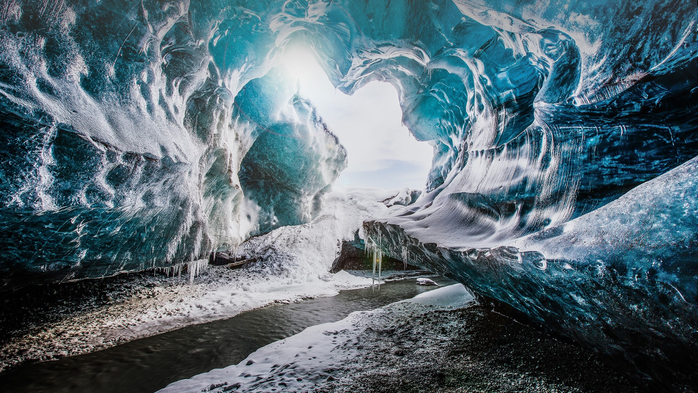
(140, 134)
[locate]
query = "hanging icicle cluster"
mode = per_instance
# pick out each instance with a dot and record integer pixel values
(374, 250)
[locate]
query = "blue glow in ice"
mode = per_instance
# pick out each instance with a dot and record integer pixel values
(149, 135)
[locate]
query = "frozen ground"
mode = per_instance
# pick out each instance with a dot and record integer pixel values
(439, 341)
(50, 322)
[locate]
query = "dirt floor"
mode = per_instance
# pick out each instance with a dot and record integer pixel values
(475, 349)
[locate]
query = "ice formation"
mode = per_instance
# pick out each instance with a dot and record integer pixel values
(148, 134)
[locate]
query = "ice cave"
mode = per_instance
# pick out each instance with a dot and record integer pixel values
(167, 176)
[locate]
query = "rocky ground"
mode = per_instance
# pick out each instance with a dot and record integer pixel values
(471, 350)
(419, 347)
(39, 323)
(53, 321)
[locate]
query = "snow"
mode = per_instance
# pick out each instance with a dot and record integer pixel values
(295, 265)
(300, 362)
(450, 297)
(426, 281)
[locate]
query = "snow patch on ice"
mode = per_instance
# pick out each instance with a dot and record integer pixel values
(452, 296)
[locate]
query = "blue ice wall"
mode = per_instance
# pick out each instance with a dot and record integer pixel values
(289, 167)
(621, 279)
(143, 112)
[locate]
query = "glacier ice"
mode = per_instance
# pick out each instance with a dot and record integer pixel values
(290, 166)
(148, 135)
(612, 279)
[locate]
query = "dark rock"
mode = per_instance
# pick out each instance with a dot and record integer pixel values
(230, 260)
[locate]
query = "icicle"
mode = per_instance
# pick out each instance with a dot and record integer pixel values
(369, 247)
(377, 259)
(373, 258)
(380, 259)
(171, 271)
(380, 266)
(195, 268)
(405, 257)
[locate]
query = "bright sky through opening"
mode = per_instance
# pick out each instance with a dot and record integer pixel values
(382, 152)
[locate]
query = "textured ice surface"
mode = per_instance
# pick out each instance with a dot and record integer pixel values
(622, 278)
(289, 167)
(293, 264)
(148, 134)
(131, 132)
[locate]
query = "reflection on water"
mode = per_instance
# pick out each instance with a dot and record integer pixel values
(152, 363)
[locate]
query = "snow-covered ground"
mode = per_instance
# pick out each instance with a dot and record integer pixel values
(294, 265)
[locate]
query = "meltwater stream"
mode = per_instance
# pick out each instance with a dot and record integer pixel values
(149, 364)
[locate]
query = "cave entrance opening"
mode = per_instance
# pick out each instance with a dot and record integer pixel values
(382, 152)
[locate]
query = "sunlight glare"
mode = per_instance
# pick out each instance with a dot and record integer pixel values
(382, 152)
(301, 64)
